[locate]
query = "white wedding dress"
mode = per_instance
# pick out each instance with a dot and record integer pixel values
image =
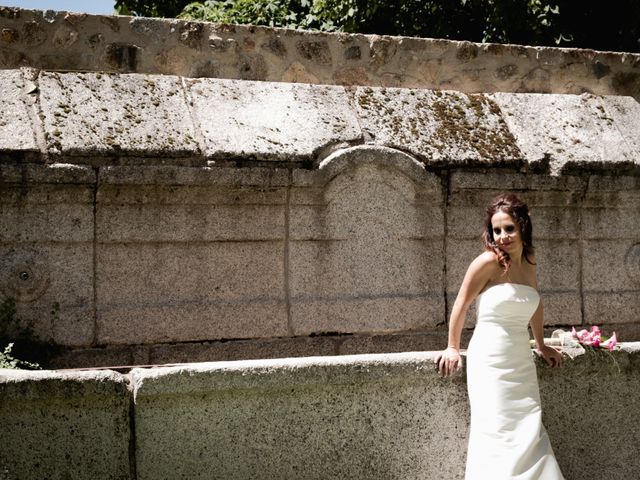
(507, 439)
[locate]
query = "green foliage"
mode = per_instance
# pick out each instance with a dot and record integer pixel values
(19, 341)
(10, 327)
(275, 13)
(8, 361)
(609, 25)
(145, 8)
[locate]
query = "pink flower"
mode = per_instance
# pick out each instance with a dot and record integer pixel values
(611, 342)
(593, 338)
(582, 336)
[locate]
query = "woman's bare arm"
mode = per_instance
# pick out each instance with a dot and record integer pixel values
(479, 273)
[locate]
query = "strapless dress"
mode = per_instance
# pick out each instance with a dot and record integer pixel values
(507, 439)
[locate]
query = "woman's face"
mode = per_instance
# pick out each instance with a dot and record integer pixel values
(506, 233)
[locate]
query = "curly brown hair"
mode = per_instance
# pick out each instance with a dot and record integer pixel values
(518, 210)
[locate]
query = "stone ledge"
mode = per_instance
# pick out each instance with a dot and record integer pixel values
(72, 425)
(114, 120)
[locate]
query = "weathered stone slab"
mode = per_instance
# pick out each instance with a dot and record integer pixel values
(112, 356)
(52, 285)
(611, 256)
(365, 251)
(46, 252)
(271, 121)
(158, 292)
(357, 417)
(611, 208)
(100, 114)
(46, 213)
(613, 308)
(546, 187)
(199, 204)
(625, 114)
(64, 425)
(437, 126)
(558, 264)
(348, 270)
(611, 272)
(459, 254)
(190, 223)
(569, 132)
(16, 132)
(604, 265)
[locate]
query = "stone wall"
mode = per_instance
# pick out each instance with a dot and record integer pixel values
(358, 417)
(79, 42)
(152, 218)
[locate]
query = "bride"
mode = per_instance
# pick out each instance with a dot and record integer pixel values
(507, 439)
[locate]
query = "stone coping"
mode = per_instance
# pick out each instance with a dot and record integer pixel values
(80, 42)
(127, 120)
(373, 364)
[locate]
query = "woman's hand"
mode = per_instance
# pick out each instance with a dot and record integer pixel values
(550, 355)
(449, 361)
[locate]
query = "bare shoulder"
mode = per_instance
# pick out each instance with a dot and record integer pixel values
(485, 265)
(486, 261)
(482, 269)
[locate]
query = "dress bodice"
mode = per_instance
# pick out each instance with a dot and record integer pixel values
(507, 304)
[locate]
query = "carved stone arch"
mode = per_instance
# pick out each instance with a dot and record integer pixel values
(366, 245)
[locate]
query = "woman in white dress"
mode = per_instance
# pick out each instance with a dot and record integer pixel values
(507, 439)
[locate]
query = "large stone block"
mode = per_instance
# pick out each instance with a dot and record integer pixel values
(608, 265)
(46, 213)
(64, 425)
(190, 204)
(271, 121)
(437, 126)
(625, 114)
(357, 417)
(611, 279)
(46, 250)
(459, 254)
(52, 285)
(568, 132)
(169, 292)
(612, 208)
(189, 223)
(86, 114)
(366, 244)
(16, 133)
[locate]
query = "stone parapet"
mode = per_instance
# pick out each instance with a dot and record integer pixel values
(354, 416)
(65, 425)
(80, 42)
